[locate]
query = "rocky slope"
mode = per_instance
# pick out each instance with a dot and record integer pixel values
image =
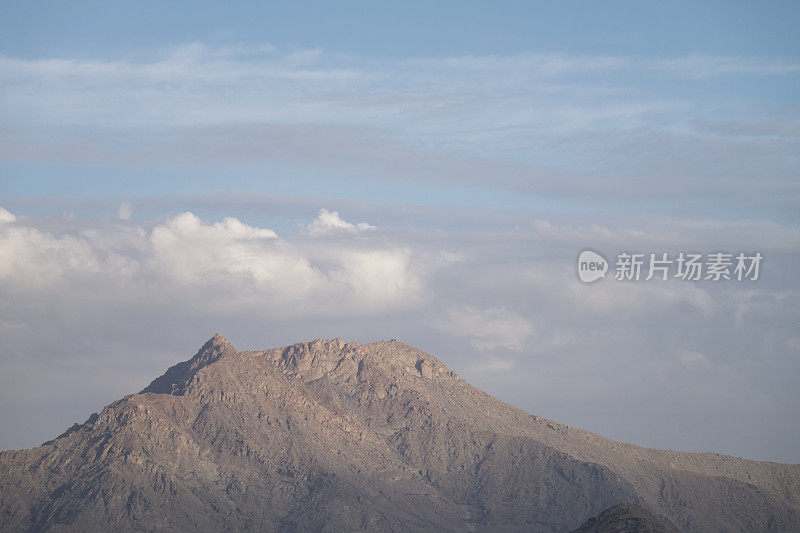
(624, 518)
(335, 436)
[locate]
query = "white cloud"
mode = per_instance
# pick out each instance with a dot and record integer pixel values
(378, 276)
(6, 216)
(488, 329)
(125, 211)
(330, 221)
(233, 255)
(232, 260)
(528, 65)
(31, 258)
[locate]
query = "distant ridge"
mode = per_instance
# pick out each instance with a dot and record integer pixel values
(331, 435)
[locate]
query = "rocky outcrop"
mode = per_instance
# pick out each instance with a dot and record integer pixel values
(625, 518)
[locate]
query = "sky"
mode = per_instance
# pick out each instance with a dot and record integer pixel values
(427, 171)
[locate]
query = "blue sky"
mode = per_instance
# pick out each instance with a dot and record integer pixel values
(431, 168)
(89, 29)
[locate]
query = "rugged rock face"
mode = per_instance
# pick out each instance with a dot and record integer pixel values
(335, 436)
(624, 518)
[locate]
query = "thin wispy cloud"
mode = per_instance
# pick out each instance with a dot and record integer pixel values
(699, 66)
(545, 124)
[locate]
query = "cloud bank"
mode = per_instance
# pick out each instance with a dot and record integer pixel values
(185, 254)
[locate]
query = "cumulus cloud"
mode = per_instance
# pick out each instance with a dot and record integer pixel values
(193, 252)
(6, 216)
(185, 254)
(330, 222)
(488, 329)
(378, 275)
(31, 258)
(125, 211)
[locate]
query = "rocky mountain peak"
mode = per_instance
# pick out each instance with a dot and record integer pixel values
(335, 436)
(216, 347)
(176, 378)
(217, 338)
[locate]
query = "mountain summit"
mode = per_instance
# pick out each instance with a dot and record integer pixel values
(336, 436)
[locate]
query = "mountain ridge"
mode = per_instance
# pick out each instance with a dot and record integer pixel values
(360, 436)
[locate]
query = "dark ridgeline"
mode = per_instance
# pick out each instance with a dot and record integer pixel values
(338, 436)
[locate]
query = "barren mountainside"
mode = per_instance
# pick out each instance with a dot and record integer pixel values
(338, 436)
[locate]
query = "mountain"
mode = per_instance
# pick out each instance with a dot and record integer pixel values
(624, 518)
(335, 436)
